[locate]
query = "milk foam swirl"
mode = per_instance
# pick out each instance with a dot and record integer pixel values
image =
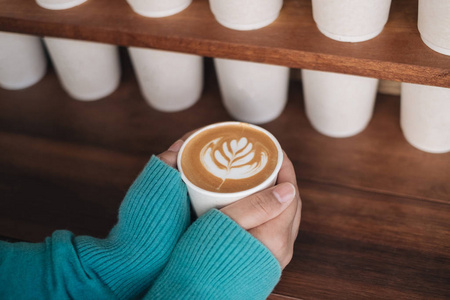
(232, 159)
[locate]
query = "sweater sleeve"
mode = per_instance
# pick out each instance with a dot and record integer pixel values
(217, 259)
(152, 217)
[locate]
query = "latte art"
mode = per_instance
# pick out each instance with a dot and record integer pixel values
(232, 159)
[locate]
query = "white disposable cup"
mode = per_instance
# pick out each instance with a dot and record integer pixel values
(169, 81)
(351, 20)
(87, 70)
(59, 4)
(158, 8)
(203, 200)
(338, 105)
(425, 117)
(252, 92)
(22, 60)
(434, 24)
(247, 14)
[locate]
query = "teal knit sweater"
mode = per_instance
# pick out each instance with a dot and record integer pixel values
(148, 254)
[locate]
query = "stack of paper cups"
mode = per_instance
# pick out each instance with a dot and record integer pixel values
(425, 117)
(87, 70)
(158, 8)
(338, 105)
(251, 92)
(22, 60)
(351, 20)
(169, 81)
(434, 24)
(245, 15)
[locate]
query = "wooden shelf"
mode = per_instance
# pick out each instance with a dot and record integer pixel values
(375, 210)
(292, 40)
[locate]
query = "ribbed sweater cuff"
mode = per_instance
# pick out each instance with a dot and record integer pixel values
(217, 259)
(152, 217)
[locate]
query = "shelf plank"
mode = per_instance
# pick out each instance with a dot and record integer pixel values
(292, 40)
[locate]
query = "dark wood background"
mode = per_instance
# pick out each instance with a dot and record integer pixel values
(376, 211)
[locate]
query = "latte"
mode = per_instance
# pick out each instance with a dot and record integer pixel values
(229, 158)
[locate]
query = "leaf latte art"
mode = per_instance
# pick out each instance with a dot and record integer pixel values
(232, 159)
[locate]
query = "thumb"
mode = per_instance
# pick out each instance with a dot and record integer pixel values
(260, 207)
(170, 156)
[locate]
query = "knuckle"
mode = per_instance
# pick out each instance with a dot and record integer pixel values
(261, 204)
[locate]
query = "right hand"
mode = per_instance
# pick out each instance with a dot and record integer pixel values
(272, 215)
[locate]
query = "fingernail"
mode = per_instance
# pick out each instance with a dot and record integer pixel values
(176, 146)
(284, 192)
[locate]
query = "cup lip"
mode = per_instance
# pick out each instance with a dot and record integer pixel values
(233, 194)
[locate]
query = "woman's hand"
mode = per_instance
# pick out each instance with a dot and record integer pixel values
(170, 155)
(273, 215)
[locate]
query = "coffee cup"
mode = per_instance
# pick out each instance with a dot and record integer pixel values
(245, 15)
(22, 60)
(169, 81)
(351, 20)
(434, 24)
(252, 92)
(224, 162)
(158, 8)
(338, 105)
(59, 4)
(87, 70)
(425, 117)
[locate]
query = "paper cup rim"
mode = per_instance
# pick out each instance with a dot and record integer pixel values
(162, 13)
(60, 6)
(244, 192)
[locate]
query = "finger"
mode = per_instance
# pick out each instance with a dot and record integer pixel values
(170, 155)
(287, 172)
(297, 219)
(280, 233)
(261, 207)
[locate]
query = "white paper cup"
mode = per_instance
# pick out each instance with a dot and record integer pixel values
(351, 20)
(158, 8)
(87, 70)
(338, 105)
(59, 4)
(203, 200)
(22, 60)
(425, 117)
(245, 15)
(252, 92)
(169, 81)
(434, 24)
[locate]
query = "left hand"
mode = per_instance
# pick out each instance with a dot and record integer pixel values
(170, 155)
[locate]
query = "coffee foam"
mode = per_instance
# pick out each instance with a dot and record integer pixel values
(229, 158)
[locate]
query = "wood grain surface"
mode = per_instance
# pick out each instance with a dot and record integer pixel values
(293, 40)
(376, 211)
